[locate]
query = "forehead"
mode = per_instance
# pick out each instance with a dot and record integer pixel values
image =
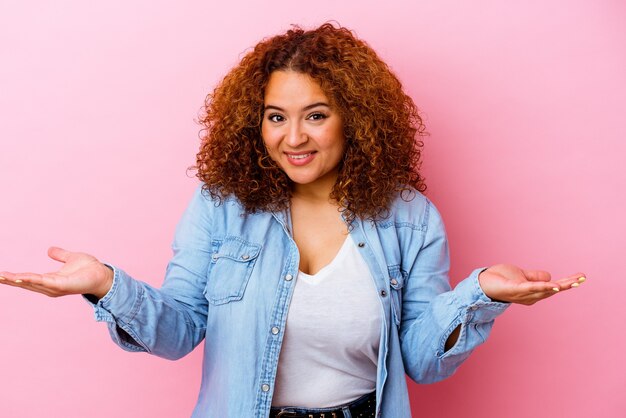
(290, 87)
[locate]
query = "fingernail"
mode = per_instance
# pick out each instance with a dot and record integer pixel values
(556, 289)
(582, 279)
(575, 285)
(19, 281)
(2, 278)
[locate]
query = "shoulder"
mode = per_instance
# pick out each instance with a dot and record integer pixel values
(213, 201)
(206, 210)
(411, 209)
(224, 212)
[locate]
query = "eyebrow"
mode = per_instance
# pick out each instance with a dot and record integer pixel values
(311, 106)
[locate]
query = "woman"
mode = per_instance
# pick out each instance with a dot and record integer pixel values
(309, 260)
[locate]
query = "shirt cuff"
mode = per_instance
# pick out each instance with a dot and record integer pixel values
(480, 308)
(121, 302)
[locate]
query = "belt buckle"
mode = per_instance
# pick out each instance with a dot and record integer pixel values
(283, 413)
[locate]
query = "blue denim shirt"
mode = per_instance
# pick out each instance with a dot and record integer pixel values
(230, 282)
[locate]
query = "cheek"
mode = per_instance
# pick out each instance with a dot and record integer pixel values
(271, 147)
(335, 141)
(266, 137)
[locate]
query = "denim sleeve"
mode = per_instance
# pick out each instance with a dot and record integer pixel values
(431, 311)
(168, 322)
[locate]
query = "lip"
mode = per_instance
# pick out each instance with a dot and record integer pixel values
(300, 158)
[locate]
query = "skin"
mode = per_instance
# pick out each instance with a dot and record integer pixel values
(298, 121)
(80, 274)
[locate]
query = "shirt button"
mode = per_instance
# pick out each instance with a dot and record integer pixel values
(265, 387)
(361, 244)
(288, 277)
(214, 257)
(275, 330)
(473, 307)
(383, 293)
(394, 282)
(245, 257)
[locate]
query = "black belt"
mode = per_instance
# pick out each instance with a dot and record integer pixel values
(364, 407)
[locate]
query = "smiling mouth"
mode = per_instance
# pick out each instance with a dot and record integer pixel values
(299, 156)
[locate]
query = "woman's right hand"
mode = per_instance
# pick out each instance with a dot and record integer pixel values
(80, 274)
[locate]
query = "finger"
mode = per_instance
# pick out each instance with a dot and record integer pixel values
(540, 287)
(31, 287)
(58, 254)
(47, 284)
(41, 283)
(532, 292)
(573, 280)
(575, 276)
(18, 277)
(34, 279)
(537, 275)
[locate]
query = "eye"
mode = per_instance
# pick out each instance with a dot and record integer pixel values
(317, 116)
(275, 117)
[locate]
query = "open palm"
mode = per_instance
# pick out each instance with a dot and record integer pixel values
(508, 283)
(80, 274)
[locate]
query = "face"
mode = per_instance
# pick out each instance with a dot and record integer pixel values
(303, 133)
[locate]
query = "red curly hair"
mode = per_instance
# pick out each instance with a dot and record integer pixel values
(382, 127)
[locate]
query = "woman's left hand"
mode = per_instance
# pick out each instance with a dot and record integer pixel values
(507, 283)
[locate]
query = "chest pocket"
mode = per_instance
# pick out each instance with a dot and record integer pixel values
(396, 283)
(230, 268)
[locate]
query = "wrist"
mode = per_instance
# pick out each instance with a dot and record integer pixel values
(483, 282)
(106, 285)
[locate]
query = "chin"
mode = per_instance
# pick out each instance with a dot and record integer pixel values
(301, 181)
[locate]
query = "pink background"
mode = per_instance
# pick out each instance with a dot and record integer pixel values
(525, 106)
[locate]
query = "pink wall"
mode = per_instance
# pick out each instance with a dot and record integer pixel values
(524, 103)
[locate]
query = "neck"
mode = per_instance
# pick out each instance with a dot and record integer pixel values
(316, 192)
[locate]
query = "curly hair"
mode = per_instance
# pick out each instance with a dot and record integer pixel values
(382, 127)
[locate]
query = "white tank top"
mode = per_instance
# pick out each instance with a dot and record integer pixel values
(329, 353)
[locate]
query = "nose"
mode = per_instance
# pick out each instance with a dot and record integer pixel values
(295, 135)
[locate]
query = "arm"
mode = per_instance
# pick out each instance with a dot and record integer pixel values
(441, 327)
(168, 322)
(510, 284)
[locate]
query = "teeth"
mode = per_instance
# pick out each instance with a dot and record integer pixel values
(299, 157)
